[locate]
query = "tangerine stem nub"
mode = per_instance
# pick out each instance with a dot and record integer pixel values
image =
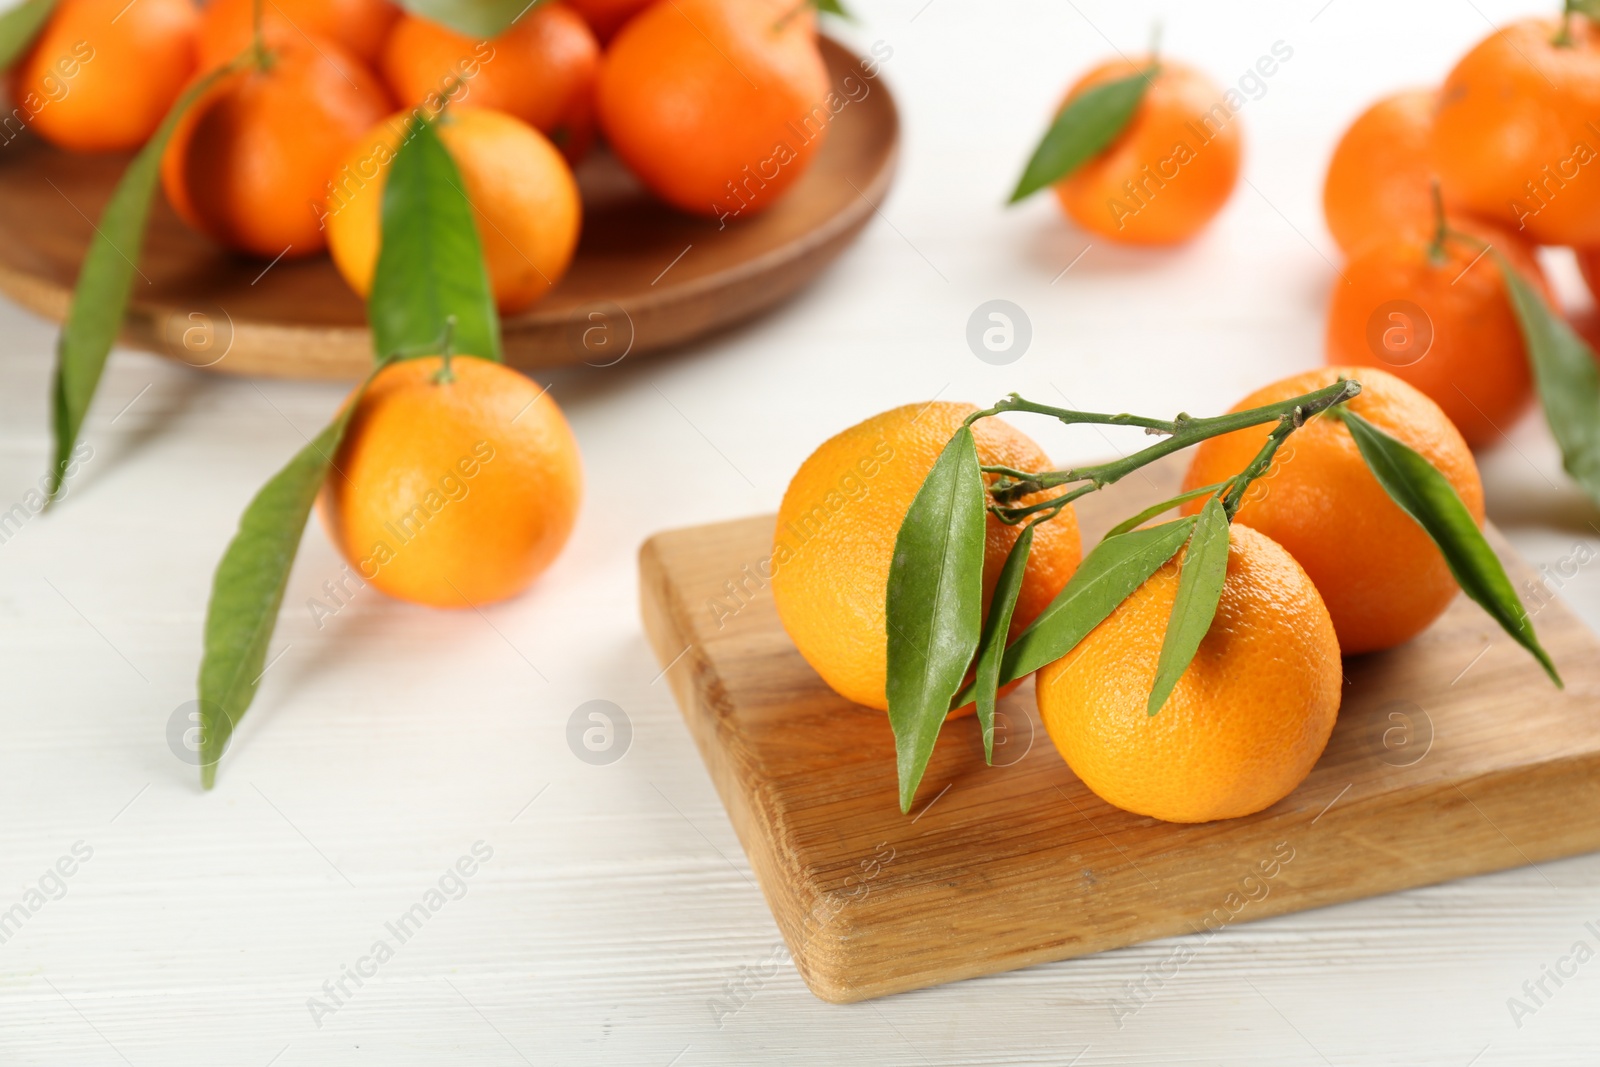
(446, 350)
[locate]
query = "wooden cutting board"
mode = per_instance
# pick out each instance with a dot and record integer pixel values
(1453, 755)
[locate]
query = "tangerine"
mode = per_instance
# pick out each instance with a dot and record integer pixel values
(1246, 721)
(227, 27)
(542, 70)
(248, 164)
(1169, 171)
(523, 197)
(718, 106)
(836, 534)
(1512, 138)
(452, 487)
(1381, 576)
(606, 17)
(1439, 316)
(102, 74)
(1380, 177)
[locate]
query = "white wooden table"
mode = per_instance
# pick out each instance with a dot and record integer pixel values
(615, 920)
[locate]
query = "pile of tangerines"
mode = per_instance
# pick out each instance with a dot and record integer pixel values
(284, 154)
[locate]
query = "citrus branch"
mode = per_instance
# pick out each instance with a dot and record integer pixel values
(1180, 433)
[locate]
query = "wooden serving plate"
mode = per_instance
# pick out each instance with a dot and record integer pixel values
(645, 277)
(1453, 755)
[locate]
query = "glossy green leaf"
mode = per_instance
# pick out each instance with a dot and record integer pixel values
(478, 19)
(430, 260)
(1569, 384)
(934, 605)
(249, 585)
(1200, 581)
(996, 628)
(1113, 570)
(19, 26)
(104, 281)
(1084, 127)
(1424, 494)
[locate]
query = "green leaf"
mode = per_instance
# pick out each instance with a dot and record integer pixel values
(101, 297)
(992, 645)
(1205, 570)
(1569, 384)
(1113, 570)
(478, 19)
(1424, 494)
(835, 8)
(1086, 125)
(249, 585)
(19, 26)
(1133, 522)
(934, 605)
(430, 261)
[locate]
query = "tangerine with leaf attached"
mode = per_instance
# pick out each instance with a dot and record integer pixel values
(1247, 719)
(456, 484)
(839, 520)
(1382, 578)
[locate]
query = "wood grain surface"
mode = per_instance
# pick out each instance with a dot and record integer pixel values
(1453, 755)
(645, 277)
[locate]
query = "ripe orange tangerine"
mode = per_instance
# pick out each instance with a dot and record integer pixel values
(1170, 170)
(453, 488)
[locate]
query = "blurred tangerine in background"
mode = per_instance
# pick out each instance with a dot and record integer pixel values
(249, 163)
(104, 72)
(524, 200)
(718, 106)
(1170, 170)
(359, 26)
(542, 70)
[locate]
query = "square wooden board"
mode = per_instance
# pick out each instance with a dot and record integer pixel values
(1453, 755)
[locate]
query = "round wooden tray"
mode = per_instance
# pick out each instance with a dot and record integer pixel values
(645, 277)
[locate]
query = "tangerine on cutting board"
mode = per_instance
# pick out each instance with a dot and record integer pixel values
(1247, 719)
(839, 520)
(1383, 580)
